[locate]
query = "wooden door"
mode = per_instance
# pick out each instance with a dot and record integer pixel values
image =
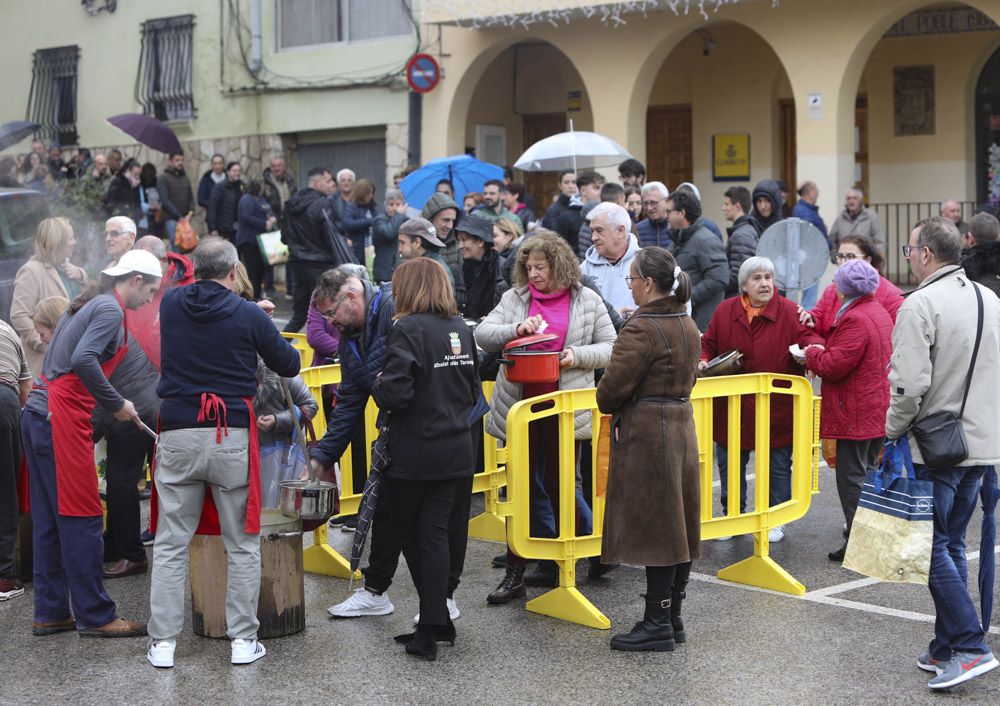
(669, 144)
(541, 185)
(786, 145)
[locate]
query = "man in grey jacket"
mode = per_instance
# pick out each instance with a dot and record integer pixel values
(932, 345)
(857, 219)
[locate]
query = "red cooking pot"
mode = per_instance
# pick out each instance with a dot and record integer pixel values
(531, 366)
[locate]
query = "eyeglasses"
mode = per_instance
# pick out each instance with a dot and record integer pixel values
(651, 204)
(841, 256)
(328, 315)
(629, 279)
(116, 233)
(907, 249)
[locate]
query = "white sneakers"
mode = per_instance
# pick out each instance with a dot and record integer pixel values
(453, 612)
(161, 652)
(361, 603)
(776, 534)
(246, 651)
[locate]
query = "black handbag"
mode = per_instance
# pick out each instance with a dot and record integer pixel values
(940, 436)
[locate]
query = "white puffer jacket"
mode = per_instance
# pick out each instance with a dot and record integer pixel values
(591, 336)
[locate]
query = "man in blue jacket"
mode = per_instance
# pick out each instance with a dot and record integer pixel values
(210, 340)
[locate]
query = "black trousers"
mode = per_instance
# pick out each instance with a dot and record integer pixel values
(254, 262)
(854, 458)
(421, 511)
(305, 274)
(666, 580)
(127, 453)
(10, 458)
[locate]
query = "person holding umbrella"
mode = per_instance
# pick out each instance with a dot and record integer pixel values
(429, 387)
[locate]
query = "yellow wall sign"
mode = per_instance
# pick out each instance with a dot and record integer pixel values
(731, 157)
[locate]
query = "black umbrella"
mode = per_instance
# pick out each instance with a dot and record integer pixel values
(342, 254)
(369, 498)
(148, 131)
(12, 133)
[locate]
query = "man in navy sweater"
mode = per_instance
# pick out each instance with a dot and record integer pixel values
(210, 341)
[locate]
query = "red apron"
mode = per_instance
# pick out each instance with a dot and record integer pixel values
(71, 408)
(213, 408)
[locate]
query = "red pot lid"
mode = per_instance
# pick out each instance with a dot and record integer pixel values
(531, 340)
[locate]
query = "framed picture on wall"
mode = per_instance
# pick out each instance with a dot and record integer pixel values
(731, 157)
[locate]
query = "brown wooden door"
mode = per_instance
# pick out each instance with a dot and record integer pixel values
(786, 143)
(861, 144)
(669, 145)
(541, 185)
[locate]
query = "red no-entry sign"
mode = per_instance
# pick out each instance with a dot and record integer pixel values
(422, 73)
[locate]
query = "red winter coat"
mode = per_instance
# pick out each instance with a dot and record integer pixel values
(887, 294)
(764, 345)
(855, 371)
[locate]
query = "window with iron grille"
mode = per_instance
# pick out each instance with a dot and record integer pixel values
(163, 86)
(52, 99)
(307, 22)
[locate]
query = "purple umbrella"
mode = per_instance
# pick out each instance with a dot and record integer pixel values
(147, 130)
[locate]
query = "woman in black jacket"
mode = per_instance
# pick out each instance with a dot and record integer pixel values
(480, 266)
(429, 387)
(223, 205)
(122, 198)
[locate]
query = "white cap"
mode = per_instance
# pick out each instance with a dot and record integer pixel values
(140, 261)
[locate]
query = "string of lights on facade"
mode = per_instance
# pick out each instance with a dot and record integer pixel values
(522, 14)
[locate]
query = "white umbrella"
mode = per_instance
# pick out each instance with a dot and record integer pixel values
(572, 150)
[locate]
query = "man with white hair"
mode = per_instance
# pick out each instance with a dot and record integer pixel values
(119, 237)
(952, 210)
(345, 183)
(610, 257)
(655, 229)
(857, 219)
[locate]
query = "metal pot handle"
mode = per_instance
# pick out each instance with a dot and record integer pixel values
(281, 535)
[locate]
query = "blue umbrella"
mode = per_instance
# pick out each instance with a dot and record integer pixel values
(465, 172)
(987, 560)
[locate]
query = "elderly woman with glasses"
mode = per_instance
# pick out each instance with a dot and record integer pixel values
(761, 324)
(853, 248)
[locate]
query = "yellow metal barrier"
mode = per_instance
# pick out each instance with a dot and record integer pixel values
(299, 343)
(321, 558)
(566, 602)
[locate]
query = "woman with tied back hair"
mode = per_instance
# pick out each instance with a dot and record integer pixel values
(359, 216)
(654, 489)
(429, 387)
(49, 273)
(850, 248)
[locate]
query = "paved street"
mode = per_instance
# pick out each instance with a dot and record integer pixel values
(847, 641)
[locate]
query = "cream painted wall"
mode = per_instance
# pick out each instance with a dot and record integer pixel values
(926, 167)
(543, 77)
(109, 58)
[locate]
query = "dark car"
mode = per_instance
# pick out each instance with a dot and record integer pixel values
(21, 210)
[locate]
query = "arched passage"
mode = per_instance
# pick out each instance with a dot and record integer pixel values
(987, 107)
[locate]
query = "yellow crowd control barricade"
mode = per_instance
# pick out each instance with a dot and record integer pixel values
(299, 343)
(321, 558)
(760, 569)
(490, 525)
(566, 602)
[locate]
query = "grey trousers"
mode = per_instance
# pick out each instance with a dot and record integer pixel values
(854, 460)
(188, 460)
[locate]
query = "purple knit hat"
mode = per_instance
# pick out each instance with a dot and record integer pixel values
(856, 278)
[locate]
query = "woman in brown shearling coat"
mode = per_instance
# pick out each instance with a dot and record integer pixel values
(653, 497)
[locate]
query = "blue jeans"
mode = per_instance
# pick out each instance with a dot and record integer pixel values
(956, 627)
(780, 486)
(809, 296)
(171, 225)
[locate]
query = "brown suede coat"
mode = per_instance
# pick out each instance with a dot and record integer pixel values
(654, 490)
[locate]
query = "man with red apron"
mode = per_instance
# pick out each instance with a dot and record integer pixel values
(87, 346)
(210, 339)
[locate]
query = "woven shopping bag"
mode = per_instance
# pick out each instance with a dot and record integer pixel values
(894, 526)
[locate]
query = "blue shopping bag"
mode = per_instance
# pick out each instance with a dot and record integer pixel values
(893, 528)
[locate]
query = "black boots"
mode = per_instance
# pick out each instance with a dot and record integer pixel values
(442, 633)
(655, 632)
(511, 587)
(545, 573)
(677, 596)
(424, 644)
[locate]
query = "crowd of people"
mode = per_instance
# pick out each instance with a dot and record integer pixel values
(637, 291)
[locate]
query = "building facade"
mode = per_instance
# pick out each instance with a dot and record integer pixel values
(899, 97)
(319, 81)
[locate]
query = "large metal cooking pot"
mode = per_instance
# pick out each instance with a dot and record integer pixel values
(524, 366)
(307, 500)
